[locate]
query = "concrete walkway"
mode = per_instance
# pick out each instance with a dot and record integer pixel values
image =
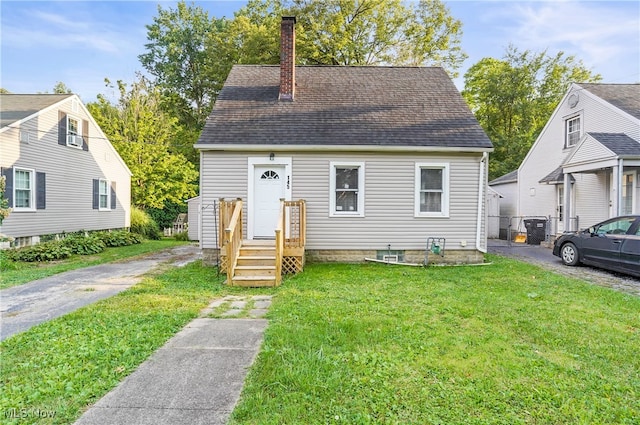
(196, 377)
(24, 306)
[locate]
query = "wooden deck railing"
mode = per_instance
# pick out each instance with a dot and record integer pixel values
(294, 222)
(280, 228)
(233, 237)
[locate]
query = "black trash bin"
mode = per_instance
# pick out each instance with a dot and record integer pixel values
(536, 230)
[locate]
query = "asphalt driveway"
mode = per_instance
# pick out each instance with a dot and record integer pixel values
(542, 256)
(24, 306)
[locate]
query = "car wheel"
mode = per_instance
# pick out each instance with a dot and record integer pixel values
(569, 254)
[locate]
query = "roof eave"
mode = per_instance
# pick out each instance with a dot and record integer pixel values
(338, 148)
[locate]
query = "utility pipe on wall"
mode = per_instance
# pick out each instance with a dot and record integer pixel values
(481, 188)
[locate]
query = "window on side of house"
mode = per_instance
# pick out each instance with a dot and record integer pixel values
(432, 190)
(347, 189)
(23, 189)
(25, 136)
(74, 132)
(103, 194)
(572, 131)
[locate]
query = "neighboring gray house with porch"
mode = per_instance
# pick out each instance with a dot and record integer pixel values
(384, 158)
(62, 174)
(584, 166)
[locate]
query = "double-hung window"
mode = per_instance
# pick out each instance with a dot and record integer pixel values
(572, 127)
(23, 189)
(103, 194)
(432, 190)
(347, 189)
(74, 134)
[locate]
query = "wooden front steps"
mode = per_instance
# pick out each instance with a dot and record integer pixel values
(256, 264)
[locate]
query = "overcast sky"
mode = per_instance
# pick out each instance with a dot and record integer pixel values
(82, 42)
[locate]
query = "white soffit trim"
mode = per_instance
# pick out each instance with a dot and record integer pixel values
(336, 148)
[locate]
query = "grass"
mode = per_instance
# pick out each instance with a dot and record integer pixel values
(62, 366)
(508, 343)
(18, 273)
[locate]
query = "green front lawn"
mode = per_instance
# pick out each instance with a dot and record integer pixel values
(17, 273)
(507, 343)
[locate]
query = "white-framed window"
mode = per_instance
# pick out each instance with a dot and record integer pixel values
(628, 190)
(347, 189)
(104, 194)
(23, 189)
(432, 189)
(572, 131)
(74, 132)
(25, 136)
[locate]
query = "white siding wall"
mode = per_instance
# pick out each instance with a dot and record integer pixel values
(509, 192)
(548, 153)
(389, 199)
(69, 178)
(590, 193)
(193, 212)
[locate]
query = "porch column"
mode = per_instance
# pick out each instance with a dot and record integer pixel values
(566, 214)
(616, 192)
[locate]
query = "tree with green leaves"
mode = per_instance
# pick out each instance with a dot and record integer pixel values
(514, 97)
(190, 54)
(143, 133)
(376, 32)
(181, 58)
(61, 88)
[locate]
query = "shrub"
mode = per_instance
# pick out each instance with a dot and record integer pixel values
(182, 236)
(6, 263)
(83, 245)
(143, 224)
(118, 238)
(47, 251)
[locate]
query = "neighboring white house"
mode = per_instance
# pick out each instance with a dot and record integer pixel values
(385, 157)
(584, 166)
(62, 174)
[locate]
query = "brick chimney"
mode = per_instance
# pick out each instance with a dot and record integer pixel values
(287, 58)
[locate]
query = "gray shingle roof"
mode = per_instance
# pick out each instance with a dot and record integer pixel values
(556, 176)
(15, 107)
(623, 96)
(342, 105)
(511, 177)
(618, 143)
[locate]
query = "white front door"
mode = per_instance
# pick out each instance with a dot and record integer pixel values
(269, 182)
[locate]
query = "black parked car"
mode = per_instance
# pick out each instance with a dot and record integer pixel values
(613, 244)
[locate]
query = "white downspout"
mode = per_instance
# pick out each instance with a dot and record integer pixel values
(481, 188)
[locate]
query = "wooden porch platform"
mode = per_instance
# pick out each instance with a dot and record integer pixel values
(259, 263)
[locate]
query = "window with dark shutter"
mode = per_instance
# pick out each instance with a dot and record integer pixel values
(96, 194)
(41, 191)
(85, 135)
(7, 173)
(113, 195)
(62, 128)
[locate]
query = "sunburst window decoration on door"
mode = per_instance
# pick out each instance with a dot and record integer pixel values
(269, 175)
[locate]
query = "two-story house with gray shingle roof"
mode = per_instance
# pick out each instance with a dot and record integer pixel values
(584, 166)
(384, 157)
(62, 174)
